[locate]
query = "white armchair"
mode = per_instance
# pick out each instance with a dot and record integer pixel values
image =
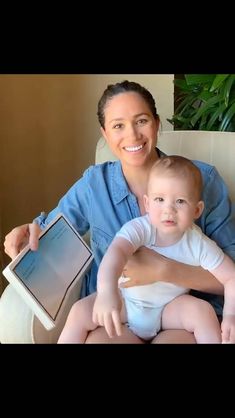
(17, 322)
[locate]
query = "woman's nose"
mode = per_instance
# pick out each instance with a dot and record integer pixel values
(132, 132)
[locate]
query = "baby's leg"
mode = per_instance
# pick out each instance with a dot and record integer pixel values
(194, 315)
(79, 321)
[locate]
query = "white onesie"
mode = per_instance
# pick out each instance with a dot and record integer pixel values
(144, 304)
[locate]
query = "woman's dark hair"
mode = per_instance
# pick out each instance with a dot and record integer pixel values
(124, 87)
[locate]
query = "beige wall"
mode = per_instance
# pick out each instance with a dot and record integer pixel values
(48, 133)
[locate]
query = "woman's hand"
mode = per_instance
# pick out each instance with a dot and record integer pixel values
(147, 266)
(228, 329)
(19, 237)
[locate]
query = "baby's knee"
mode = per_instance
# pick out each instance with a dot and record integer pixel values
(78, 309)
(203, 308)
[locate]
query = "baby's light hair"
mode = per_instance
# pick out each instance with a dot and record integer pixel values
(181, 167)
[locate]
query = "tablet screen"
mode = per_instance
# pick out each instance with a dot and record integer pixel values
(49, 272)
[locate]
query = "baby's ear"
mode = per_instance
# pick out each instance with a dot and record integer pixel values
(199, 209)
(146, 202)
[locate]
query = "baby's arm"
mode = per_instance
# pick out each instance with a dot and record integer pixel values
(225, 273)
(108, 302)
(112, 264)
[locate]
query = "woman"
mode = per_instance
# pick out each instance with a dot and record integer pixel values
(110, 194)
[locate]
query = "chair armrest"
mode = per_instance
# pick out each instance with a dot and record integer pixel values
(15, 318)
(18, 324)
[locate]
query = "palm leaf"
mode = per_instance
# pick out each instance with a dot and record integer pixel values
(219, 79)
(227, 88)
(181, 84)
(188, 100)
(199, 78)
(204, 107)
(205, 101)
(227, 118)
(216, 115)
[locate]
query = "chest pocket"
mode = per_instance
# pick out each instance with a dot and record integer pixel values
(100, 240)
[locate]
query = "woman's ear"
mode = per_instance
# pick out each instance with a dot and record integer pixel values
(103, 132)
(158, 124)
(199, 209)
(146, 203)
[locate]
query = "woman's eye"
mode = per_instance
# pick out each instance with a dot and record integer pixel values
(141, 121)
(118, 126)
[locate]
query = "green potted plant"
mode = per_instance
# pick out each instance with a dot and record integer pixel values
(205, 102)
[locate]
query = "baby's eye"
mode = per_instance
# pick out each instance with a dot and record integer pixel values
(180, 201)
(141, 121)
(158, 199)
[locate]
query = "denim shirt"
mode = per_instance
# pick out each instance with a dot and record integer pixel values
(100, 201)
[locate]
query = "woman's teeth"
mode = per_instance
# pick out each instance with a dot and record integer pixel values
(132, 149)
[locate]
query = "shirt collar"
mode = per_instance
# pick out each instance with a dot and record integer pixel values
(119, 186)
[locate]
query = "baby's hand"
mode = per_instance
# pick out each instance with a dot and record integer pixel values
(228, 329)
(106, 312)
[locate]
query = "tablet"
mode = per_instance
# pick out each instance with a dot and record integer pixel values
(45, 277)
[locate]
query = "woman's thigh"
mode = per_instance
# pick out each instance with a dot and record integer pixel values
(174, 336)
(171, 336)
(99, 336)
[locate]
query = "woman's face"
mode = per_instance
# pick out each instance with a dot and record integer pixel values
(130, 129)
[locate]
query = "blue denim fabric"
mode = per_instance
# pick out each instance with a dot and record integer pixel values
(102, 202)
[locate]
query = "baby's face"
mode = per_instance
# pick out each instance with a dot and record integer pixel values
(172, 204)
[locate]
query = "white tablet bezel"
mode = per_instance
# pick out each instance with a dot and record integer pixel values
(48, 320)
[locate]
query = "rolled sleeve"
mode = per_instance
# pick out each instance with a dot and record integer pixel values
(75, 205)
(218, 218)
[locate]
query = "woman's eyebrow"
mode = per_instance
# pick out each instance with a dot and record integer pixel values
(135, 116)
